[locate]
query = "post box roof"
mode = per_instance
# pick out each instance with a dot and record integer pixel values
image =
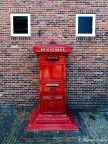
(52, 48)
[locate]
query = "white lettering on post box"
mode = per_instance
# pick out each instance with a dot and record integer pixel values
(52, 49)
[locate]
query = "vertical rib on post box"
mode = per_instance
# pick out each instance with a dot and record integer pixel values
(52, 114)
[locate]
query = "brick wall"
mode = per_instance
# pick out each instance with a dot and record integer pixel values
(87, 66)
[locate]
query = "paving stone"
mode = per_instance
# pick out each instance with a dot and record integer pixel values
(91, 131)
(6, 120)
(96, 127)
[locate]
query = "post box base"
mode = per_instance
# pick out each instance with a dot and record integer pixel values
(56, 122)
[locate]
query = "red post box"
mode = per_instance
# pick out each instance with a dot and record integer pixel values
(52, 113)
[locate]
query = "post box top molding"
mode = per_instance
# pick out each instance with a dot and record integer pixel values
(52, 48)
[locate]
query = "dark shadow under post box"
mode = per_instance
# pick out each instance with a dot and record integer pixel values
(52, 114)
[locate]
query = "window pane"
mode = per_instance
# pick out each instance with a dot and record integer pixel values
(20, 24)
(85, 25)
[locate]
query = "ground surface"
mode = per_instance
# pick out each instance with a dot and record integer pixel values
(93, 129)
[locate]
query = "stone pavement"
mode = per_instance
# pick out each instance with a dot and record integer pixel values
(93, 129)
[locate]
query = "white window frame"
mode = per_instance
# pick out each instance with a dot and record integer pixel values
(93, 25)
(11, 22)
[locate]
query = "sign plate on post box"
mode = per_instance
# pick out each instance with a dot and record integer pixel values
(52, 113)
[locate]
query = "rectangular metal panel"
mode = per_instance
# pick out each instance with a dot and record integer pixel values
(52, 88)
(52, 72)
(52, 106)
(52, 59)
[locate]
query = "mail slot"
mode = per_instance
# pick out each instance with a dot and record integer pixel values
(52, 58)
(52, 85)
(52, 109)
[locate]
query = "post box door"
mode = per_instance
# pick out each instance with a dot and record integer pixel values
(52, 68)
(52, 72)
(52, 88)
(53, 97)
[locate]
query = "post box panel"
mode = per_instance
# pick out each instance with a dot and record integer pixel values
(52, 72)
(52, 105)
(53, 88)
(52, 58)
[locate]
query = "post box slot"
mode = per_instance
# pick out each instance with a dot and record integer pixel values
(52, 58)
(52, 97)
(52, 85)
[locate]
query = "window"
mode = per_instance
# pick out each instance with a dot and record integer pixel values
(85, 25)
(20, 24)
